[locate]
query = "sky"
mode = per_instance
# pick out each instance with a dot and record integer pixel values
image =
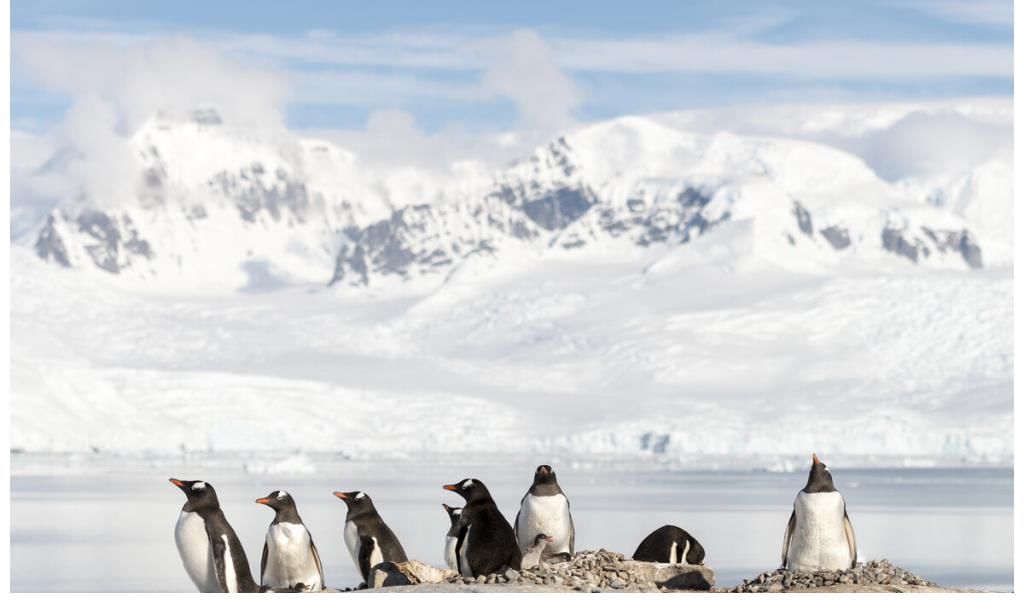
(496, 66)
(438, 89)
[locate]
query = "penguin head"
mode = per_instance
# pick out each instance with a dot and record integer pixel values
(542, 540)
(277, 500)
(544, 475)
(819, 479)
(454, 513)
(357, 502)
(470, 489)
(200, 494)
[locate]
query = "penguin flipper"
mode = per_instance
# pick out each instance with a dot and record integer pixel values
(319, 565)
(851, 540)
(219, 554)
(365, 553)
(459, 544)
(790, 527)
(263, 563)
(572, 533)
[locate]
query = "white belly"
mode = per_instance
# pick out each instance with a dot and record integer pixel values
(290, 558)
(466, 570)
(819, 537)
(352, 541)
(449, 552)
(196, 554)
(544, 515)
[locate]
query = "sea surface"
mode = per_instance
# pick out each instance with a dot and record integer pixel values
(103, 524)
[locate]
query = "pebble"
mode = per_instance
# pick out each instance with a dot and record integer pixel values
(874, 572)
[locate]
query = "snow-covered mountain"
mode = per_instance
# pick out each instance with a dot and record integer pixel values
(646, 287)
(217, 207)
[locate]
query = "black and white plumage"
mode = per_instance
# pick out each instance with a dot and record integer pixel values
(210, 550)
(487, 543)
(819, 535)
(451, 539)
(369, 540)
(545, 510)
(290, 559)
(670, 545)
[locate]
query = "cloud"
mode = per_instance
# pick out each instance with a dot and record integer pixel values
(526, 71)
(136, 76)
(984, 12)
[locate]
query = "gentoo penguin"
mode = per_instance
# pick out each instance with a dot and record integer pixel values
(290, 559)
(670, 544)
(545, 510)
(210, 550)
(532, 555)
(367, 537)
(487, 543)
(452, 538)
(819, 535)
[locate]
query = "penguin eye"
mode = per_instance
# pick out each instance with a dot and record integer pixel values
(360, 496)
(468, 483)
(198, 485)
(281, 495)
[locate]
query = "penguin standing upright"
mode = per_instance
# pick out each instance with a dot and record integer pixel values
(452, 538)
(671, 545)
(487, 543)
(367, 537)
(545, 510)
(819, 535)
(290, 559)
(209, 549)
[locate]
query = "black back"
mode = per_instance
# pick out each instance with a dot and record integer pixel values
(370, 526)
(657, 546)
(819, 479)
(204, 502)
(491, 543)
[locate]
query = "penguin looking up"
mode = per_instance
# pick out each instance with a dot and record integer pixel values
(209, 548)
(367, 537)
(486, 543)
(452, 538)
(290, 559)
(545, 510)
(533, 553)
(819, 535)
(670, 545)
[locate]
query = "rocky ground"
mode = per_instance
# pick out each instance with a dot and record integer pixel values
(608, 571)
(875, 575)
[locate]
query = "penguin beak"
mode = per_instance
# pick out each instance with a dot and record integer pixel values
(450, 488)
(341, 495)
(262, 501)
(177, 482)
(814, 458)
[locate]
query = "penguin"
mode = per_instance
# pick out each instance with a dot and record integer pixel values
(533, 553)
(452, 538)
(209, 549)
(367, 537)
(545, 509)
(487, 543)
(670, 545)
(819, 535)
(290, 559)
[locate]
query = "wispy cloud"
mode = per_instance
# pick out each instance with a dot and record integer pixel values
(985, 12)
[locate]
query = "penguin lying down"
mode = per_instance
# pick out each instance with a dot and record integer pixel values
(671, 545)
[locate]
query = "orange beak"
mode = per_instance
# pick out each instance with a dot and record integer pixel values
(814, 457)
(177, 482)
(262, 500)
(341, 495)
(451, 488)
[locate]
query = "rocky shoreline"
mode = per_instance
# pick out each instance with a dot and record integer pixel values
(607, 571)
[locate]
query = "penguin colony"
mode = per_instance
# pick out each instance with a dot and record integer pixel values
(480, 541)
